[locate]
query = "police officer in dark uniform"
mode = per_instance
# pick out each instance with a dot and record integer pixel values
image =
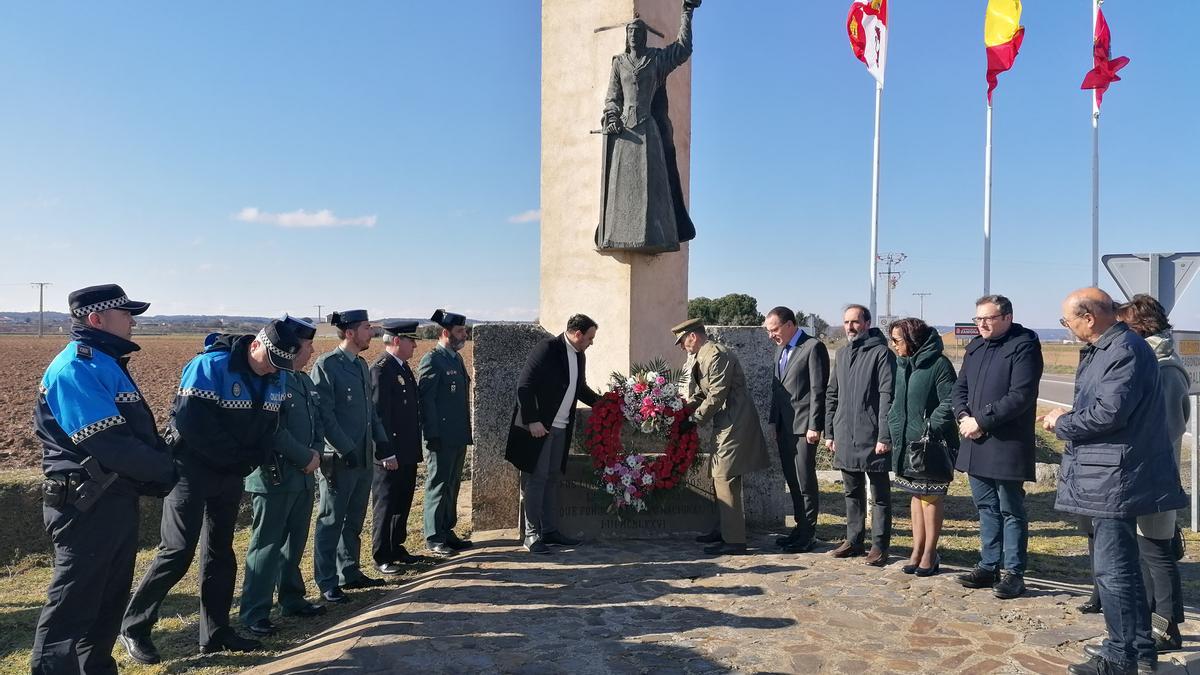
(100, 450)
(281, 500)
(222, 427)
(394, 388)
(353, 434)
(446, 424)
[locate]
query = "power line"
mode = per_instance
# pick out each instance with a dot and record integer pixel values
(41, 305)
(320, 316)
(892, 276)
(923, 296)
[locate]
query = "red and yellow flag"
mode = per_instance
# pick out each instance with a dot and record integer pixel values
(1105, 67)
(1002, 35)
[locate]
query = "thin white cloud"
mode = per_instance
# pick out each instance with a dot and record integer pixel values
(302, 219)
(530, 216)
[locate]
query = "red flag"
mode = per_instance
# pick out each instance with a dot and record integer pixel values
(1105, 71)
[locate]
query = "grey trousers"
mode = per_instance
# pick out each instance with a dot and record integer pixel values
(539, 489)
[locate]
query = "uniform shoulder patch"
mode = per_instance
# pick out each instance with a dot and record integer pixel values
(83, 351)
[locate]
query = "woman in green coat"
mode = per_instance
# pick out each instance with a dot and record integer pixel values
(923, 385)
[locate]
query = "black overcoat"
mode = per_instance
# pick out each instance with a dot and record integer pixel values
(998, 386)
(395, 393)
(540, 392)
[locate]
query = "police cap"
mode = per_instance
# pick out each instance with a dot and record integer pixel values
(348, 317)
(303, 328)
(400, 328)
(99, 298)
(448, 319)
(689, 326)
(281, 342)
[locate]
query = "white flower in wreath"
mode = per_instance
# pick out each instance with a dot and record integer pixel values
(610, 488)
(608, 471)
(647, 478)
(651, 377)
(633, 461)
(630, 382)
(639, 504)
(627, 480)
(677, 405)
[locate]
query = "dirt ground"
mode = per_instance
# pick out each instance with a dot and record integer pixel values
(155, 369)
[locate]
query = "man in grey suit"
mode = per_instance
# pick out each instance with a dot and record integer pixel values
(798, 384)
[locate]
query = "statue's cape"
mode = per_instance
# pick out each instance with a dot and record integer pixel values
(660, 111)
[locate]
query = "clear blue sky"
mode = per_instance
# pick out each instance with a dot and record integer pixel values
(134, 135)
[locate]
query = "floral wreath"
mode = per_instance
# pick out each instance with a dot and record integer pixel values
(649, 401)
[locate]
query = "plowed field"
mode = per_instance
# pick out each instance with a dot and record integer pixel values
(155, 368)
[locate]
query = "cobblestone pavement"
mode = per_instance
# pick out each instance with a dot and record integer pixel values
(663, 607)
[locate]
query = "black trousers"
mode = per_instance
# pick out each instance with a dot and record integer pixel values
(855, 483)
(94, 553)
(393, 497)
(201, 510)
(1160, 574)
(799, 460)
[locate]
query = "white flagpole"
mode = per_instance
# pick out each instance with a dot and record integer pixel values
(987, 206)
(875, 200)
(1095, 168)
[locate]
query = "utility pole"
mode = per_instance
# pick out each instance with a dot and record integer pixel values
(892, 277)
(41, 305)
(923, 296)
(320, 316)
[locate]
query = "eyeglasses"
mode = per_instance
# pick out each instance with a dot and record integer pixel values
(988, 319)
(1062, 321)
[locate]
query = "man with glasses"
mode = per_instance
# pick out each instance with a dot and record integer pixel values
(1118, 464)
(995, 402)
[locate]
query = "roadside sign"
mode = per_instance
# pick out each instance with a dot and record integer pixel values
(1163, 275)
(1187, 343)
(966, 330)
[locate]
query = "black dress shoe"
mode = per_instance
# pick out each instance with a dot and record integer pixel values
(537, 546)
(1098, 665)
(559, 539)
(225, 640)
(800, 545)
(335, 594)
(456, 543)
(725, 548)
(364, 582)
(790, 537)
(1092, 606)
(442, 550)
(710, 538)
(307, 610)
(262, 627)
(930, 571)
(1097, 651)
(141, 650)
(909, 568)
(1010, 586)
(390, 569)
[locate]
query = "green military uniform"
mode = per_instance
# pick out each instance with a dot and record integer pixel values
(352, 428)
(281, 503)
(446, 423)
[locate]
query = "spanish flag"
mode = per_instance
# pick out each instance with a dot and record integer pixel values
(1002, 34)
(1105, 71)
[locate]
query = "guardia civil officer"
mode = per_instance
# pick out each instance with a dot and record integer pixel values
(352, 434)
(446, 424)
(222, 427)
(100, 450)
(281, 500)
(394, 387)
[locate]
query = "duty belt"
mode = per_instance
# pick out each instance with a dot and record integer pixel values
(61, 489)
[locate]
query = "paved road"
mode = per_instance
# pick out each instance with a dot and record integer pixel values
(1057, 390)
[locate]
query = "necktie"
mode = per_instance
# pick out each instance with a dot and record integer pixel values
(783, 359)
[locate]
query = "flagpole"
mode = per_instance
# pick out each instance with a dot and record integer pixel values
(1095, 168)
(987, 206)
(875, 199)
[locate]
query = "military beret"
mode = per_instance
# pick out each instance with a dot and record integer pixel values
(400, 328)
(99, 298)
(689, 326)
(448, 319)
(303, 328)
(348, 317)
(282, 343)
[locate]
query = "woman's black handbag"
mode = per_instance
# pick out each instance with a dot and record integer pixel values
(929, 458)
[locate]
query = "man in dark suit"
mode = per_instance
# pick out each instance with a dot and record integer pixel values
(394, 392)
(552, 381)
(801, 375)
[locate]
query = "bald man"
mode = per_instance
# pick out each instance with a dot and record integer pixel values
(1118, 465)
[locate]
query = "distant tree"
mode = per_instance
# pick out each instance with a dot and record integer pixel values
(735, 309)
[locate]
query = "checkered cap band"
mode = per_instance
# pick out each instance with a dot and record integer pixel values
(95, 428)
(100, 306)
(262, 337)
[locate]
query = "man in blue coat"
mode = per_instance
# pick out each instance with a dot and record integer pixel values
(90, 416)
(995, 401)
(1118, 465)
